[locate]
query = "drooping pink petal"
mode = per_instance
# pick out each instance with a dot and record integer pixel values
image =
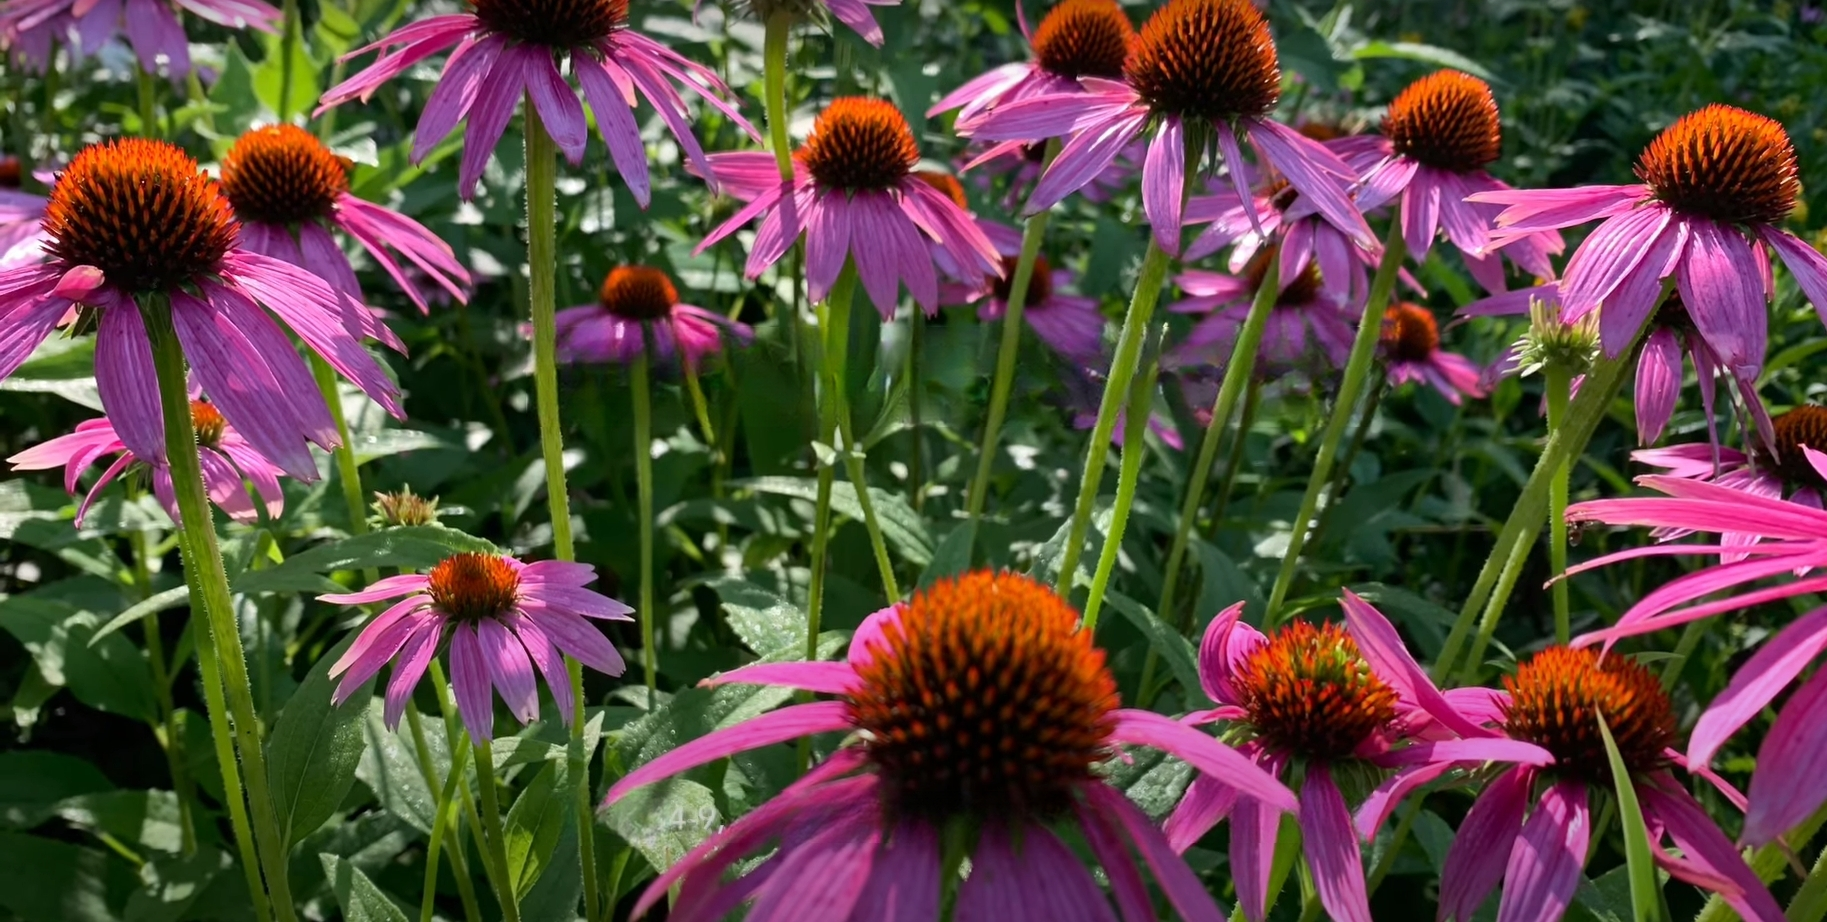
(387, 587)
(1804, 262)
(1705, 849)
(1184, 891)
(1530, 211)
(495, 102)
(1383, 649)
(578, 638)
(1481, 849)
(1607, 256)
(1226, 644)
(1146, 728)
(904, 879)
(557, 106)
(470, 684)
(509, 669)
(1331, 847)
(1254, 829)
(414, 656)
(1658, 383)
(1031, 877)
(237, 377)
(1164, 184)
(820, 677)
(1722, 287)
(455, 92)
(376, 644)
(1126, 884)
(1546, 859)
(824, 875)
(1205, 803)
(128, 384)
(1376, 808)
(788, 723)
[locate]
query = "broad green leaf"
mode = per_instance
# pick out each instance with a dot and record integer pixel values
(555, 898)
(171, 885)
(270, 76)
(766, 622)
(389, 766)
(415, 548)
(1645, 890)
(1426, 54)
(48, 881)
(953, 555)
(158, 602)
(1153, 779)
(34, 781)
(665, 820)
(533, 826)
(314, 749)
(54, 624)
(901, 526)
(146, 818)
(1223, 584)
(1178, 652)
(360, 899)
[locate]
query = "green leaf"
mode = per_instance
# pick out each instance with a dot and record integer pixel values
(1223, 583)
(953, 556)
(314, 749)
(417, 547)
(169, 886)
(234, 93)
(46, 881)
(766, 622)
(555, 898)
(1426, 54)
(54, 623)
(1182, 660)
(160, 601)
(389, 766)
(902, 528)
(147, 818)
(1645, 890)
(533, 826)
(360, 899)
(34, 781)
(269, 76)
(663, 821)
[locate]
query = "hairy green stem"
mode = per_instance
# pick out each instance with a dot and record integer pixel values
(1141, 395)
(1559, 382)
(1366, 417)
(639, 386)
(492, 833)
(209, 593)
(1810, 902)
(834, 321)
(1252, 399)
(456, 738)
(149, 111)
(1493, 611)
(1359, 368)
(288, 39)
(347, 472)
(774, 87)
(843, 290)
(441, 829)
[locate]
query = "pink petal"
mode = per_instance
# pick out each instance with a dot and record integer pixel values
(1481, 848)
(470, 683)
(1183, 889)
(775, 727)
(1126, 884)
(1331, 847)
(1383, 649)
(1254, 828)
(1035, 877)
(1658, 383)
(1546, 860)
(509, 669)
(823, 678)
(1163, 184)
(1204, 804)
(387, 587)
(1706, 847)
(1146, 728)
(415, 656)
(1607, 256)
(128, 384)
(1723, 289)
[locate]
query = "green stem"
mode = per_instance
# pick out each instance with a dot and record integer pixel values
(1559, 383)
(1141, 396)
(440, 829)
(774, 87)
(1487, 625)
(834, 320)
(346, 470)
(1366, 417)
(701, 409)
(1237, 377)
(639, 387)
(1358, 370)
(1008, 350)
(1252, 399)
(170, 735)
(1684, 648)
(492, 834)
(209, 592)
(149, 111)
(1123, 365)
(288, 40)
(916, 458)
(1810, 902)
(456, 739)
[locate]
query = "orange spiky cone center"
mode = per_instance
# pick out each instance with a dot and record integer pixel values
(470, 586)
(1723, 163)
(281, 174)
(1447, 120)
(1084, 38)
(1410, 333)
(1207, 59)
(1558, 696)
(1309, 691)
(553, 23)
(859, 143)
(638, 293)
(142, 212)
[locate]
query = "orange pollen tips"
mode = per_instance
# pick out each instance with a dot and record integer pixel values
(1559, 695)
(471, 586)
(12, 175)
(1804, 425)
(1040, 284)
(1410, 333)
(281, 174)
(947, 184)
(1725, 164)
(208, 423)
(984, 699)
(141, 212)
(1309, 691)
(1210, 59)
(638, 293)
(1084, 38)
(859, 143)
(1446, 120)
(553, 23)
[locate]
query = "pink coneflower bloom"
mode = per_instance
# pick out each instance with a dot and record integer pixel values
(116, 250)
(224, 454)
(152, 27)
(978, 705)
(1531, 825)
(1021, 163)
(1077, 38)
(1307, 313)
(1198, 67)
(854, 195)
(1716, 184)
(1411, 352)
(1071, 325)
(1781, 471)
(288, 190)
(1438, 136)
(504, 619)
(637, 302)
(506, 50)
(21, 218)
(1311, 700)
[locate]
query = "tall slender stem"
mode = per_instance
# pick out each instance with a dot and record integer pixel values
(916, 459)
(1252, 399)
(209, 674)
(209, 592)
(347, 472)
(440, 829)
(1135, 424)
(1487, 624)
(1237, 376)
(774, 86)
(834, 321)
(639, 386)
(492, 834)
(1559, 382)
(149, 111)
(288, 40)
(1123, 365)
(1366, 417)
(1358, 369)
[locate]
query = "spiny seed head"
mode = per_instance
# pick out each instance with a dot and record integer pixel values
(1309, 691)
(281, 174)
(638, 293)
(1040, 286)
(208, 423)
(471, 586)
(405, 508)
(1410, 333)
(1558, 696)
(1209, 59)
(1804, 425)
(1446, 120)
(947, 184)
(985, 700)
(1723, 163)
(1084, 38)
(140, 211)
(1552, 342)
(859, 143)
(1303, 290)
(553, 23)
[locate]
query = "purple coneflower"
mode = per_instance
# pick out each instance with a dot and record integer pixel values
(507, 50)
(637, 302)
(1411, 352)
(1071, 325)
(977, 705)
(1275, 214)
(1077, 38)
(225, 456)
(854, 195)
(1531, 825)
(1307, 312)
(288, 190)
(1310, 699)
(21, 218)
(1715, 185)
(152, 27)
(504, 619)
(1780, 471)
(1207, 69)
(115, 250)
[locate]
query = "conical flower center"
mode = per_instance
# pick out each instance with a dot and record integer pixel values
(12, 175)
(553, 23)
(1725, 164)
(1040, 285)
(141, 212)
(1447, 120)
(638, 293)
(208, 423)
(471, 586)
(1410, 333)
(947, 184)
(1558, 697)
(282, 174)
(1310, 692)
(1084, 38)
(1303, 290)
(984, 699)
(859, 143)
(1210, 59)
(1804, 425)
